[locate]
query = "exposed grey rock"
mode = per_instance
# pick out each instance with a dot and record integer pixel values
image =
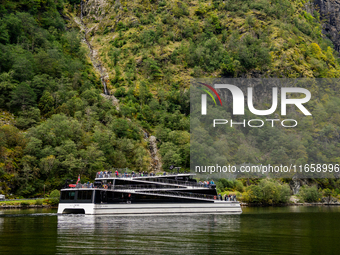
(296, 183)
(331, 200)
(94, 56)
(94, 8)
(156, 164)
(330, 15)
(113, 99)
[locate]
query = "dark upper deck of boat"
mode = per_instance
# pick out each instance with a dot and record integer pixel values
(175, 185)
(180, 177)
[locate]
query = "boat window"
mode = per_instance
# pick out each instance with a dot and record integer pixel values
(97, 198)
(71, 195)
(149, 197)
(103, 196)
(88, 194)
(84, 194)
(110, 197)
(67, 195)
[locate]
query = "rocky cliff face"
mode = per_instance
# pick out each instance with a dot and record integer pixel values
(330, 15)
(94, 8)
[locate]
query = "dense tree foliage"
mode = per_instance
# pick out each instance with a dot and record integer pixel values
(47, 82)
(311, 194)
(267, 192)
(314, 139)
(64, 127)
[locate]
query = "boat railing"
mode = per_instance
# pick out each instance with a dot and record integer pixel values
(146, 186)
(174, 182)
(161, 180)
(134, 175)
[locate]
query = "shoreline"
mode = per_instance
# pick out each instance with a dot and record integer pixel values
(4, 207)
(25, 206)
(288, 204)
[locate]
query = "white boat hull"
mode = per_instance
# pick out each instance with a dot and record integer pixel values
(224, 207)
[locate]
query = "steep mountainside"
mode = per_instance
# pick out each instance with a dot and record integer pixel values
(168, 42)
(105, 83)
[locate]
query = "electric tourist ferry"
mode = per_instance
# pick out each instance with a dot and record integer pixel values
(151, 194)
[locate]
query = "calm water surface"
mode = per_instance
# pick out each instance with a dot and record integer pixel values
(278, 230)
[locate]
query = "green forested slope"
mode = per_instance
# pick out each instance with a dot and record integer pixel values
(48, 83)
(64, 127)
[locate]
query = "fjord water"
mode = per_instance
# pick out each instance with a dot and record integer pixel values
(272, 230)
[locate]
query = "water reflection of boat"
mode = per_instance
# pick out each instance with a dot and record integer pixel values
(177, 193)
(145, 234)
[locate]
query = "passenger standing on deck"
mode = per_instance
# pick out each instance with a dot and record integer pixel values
(116, 173)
